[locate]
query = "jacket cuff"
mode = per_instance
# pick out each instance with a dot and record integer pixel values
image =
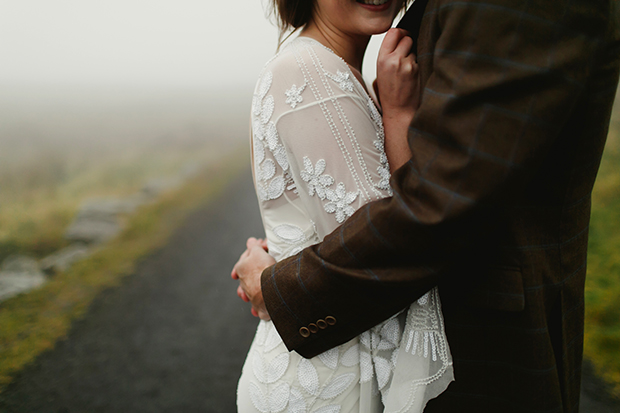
(303, 327)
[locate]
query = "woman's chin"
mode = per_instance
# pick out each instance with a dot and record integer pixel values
(379, 28)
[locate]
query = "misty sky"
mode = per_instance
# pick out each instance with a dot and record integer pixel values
(168, 43)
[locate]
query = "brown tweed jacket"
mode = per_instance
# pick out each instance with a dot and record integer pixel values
(493, 206)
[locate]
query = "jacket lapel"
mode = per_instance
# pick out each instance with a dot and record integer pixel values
(411, 21)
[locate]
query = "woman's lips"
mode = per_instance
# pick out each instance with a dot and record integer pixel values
(370, 4)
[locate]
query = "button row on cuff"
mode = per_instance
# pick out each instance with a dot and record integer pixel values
(314, 328)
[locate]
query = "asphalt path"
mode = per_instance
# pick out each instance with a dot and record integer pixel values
(174, 336)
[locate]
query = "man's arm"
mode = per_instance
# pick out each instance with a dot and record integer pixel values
(502, 85)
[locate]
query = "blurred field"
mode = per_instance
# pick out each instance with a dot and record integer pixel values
(59, 147)
(602, 329)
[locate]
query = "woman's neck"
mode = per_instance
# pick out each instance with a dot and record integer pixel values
(350, 47)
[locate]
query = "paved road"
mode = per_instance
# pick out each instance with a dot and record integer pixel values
(173, 337)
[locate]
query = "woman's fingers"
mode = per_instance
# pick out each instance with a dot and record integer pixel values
(404, 46)
(263, 315)
(397, 62)
(391, 40)
(263, 243)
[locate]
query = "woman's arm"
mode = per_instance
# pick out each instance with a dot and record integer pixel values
(398, 90)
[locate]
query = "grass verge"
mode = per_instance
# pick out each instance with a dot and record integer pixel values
(32, 323)
(42, 192)
(602, 322)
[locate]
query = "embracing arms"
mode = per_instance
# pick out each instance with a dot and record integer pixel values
(322, 137)
(500, 87)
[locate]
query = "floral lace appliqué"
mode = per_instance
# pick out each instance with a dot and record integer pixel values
(269, 184)
(340, 201)
(314, 177)
(293, 95)
(343, 79)
(424, 335)
(292, 239)
(319, 183)
(308, 378)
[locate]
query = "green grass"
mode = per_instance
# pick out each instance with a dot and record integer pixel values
(602, 295)
(42, 192)
(32, 323)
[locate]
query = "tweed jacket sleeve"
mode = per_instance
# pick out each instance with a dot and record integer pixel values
(501, 81)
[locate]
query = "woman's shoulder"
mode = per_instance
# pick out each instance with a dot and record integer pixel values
(305, 71)
(301, 59)
(303, 50)
(281, 69)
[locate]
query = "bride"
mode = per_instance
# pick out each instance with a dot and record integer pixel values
(320, 150)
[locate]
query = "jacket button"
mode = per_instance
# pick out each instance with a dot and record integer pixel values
(313, 328)
(304, 332)
(330, 320)
(322, 324)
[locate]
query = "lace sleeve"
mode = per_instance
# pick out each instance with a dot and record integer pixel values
(287, 224)
(330, 131)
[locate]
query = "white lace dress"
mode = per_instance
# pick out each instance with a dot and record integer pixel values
(318, 155)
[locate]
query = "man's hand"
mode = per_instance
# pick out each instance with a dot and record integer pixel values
(248, 271)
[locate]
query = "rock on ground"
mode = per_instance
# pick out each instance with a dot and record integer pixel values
(63, 259)
(19, 274)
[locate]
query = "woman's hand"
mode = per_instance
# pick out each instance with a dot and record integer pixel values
(248, 271)
(399, 92)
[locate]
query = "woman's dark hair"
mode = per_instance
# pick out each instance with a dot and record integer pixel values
(290, 15)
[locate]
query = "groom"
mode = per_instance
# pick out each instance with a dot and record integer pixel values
(493, 206)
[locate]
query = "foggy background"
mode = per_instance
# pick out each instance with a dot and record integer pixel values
(99, 97)
(121, 45)
(82, 80)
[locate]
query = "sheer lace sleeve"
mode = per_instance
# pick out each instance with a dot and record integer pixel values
(325, 135)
